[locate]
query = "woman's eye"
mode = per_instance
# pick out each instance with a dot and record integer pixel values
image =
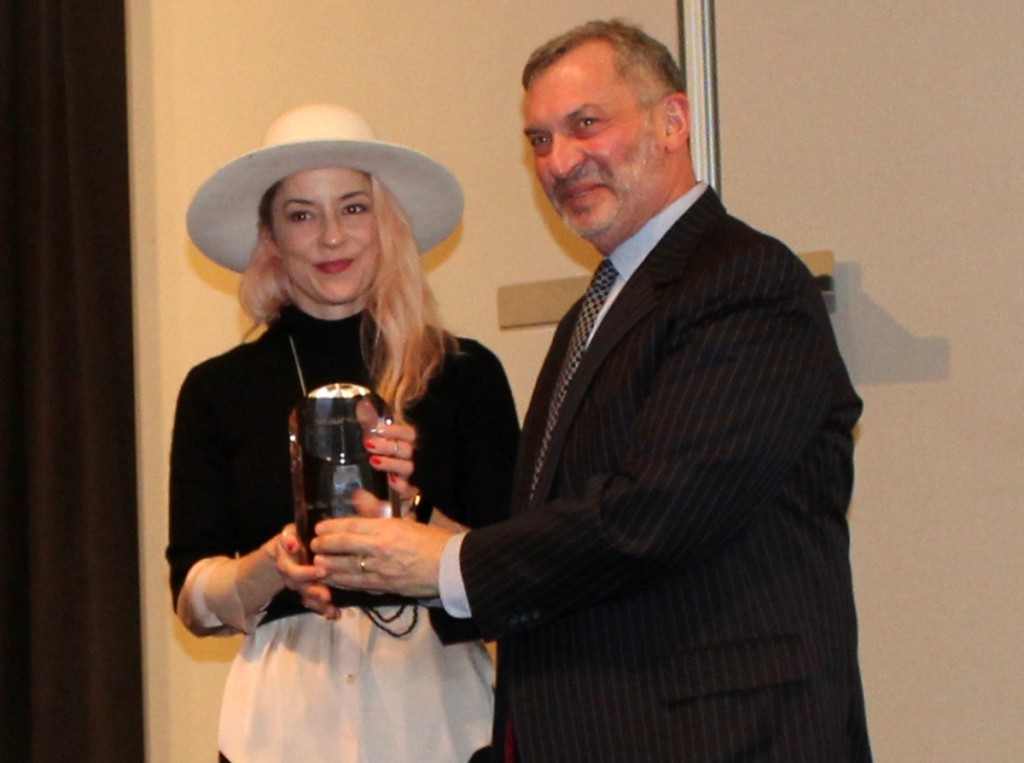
(298, 216)
(354, 209)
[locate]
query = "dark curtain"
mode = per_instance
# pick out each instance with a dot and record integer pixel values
(70, 676)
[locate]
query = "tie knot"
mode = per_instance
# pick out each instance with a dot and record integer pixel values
(605, 275)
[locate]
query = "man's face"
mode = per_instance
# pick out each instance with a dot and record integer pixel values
(596, 149)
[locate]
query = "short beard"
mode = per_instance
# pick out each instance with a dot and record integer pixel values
(624, 186)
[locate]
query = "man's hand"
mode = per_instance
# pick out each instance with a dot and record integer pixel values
(380, 555)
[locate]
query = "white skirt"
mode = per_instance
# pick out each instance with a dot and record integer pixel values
(306, 689)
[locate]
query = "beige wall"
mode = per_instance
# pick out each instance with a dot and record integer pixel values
(205, 79)
(889, 136)
(891, 133)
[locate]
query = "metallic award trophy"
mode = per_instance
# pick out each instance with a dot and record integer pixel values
(329, 463)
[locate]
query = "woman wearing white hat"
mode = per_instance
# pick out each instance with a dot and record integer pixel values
(327, 224)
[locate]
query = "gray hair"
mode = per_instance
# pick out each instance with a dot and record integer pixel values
(640, 59)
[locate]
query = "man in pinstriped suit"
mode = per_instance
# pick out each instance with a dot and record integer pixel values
(674, 584)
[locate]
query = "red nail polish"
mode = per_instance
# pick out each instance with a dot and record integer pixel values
(368, 444)
(392, 478)
(375, 460)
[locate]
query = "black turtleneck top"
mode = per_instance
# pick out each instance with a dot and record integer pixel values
(230, 487)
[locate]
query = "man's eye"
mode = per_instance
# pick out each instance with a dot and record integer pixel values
(540, 144)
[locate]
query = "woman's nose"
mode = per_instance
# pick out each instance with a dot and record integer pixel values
(332, 232)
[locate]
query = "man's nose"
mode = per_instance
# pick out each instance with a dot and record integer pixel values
(565, 156)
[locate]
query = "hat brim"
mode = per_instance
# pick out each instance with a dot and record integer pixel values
(223, 216)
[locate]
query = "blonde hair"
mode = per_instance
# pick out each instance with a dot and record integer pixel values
(403, 340)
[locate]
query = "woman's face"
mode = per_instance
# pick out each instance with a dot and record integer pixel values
(324, 229)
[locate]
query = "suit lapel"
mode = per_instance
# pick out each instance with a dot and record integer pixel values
(639, 296)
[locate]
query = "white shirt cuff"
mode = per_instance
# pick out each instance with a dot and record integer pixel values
(450, 585)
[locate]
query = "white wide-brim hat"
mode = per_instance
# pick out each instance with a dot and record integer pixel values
(223, 217)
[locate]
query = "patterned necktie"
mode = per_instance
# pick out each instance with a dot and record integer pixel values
(593, 300)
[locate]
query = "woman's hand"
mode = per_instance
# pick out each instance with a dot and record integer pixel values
(286, 551)
(392, 447)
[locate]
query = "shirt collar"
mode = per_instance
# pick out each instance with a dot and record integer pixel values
(628, 255)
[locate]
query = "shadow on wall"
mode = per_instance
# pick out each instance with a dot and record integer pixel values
(876, 347)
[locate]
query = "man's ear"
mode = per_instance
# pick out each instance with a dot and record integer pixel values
(677, 118)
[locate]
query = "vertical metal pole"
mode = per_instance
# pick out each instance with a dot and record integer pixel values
(698, 61)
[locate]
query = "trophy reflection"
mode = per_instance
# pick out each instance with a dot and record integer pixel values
(328, 459)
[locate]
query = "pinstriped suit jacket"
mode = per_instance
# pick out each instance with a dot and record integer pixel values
(680, 588)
